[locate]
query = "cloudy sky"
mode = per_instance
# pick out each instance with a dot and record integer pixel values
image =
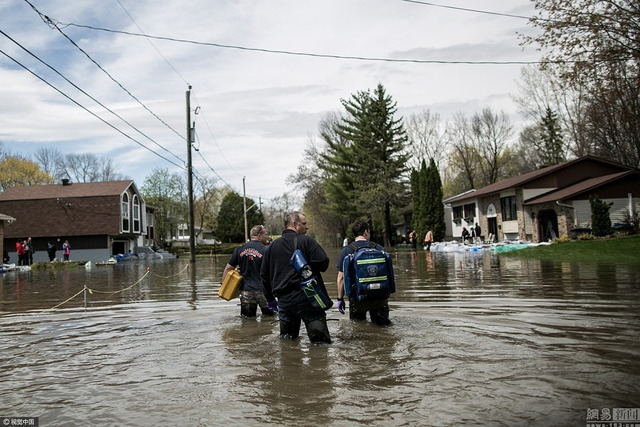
(258, 109)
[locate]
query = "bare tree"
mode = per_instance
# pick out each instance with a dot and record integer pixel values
(51, 160)
(207, 203)
(108, 171)
(480, 153)
(464, 157)
(539, 90)
(493, 133)
(85, 167)
(594, 45)
(426, 134)
(81, 167)
(275, 210)
(3, 151)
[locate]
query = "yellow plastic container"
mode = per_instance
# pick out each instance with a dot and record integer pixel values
(230, 288)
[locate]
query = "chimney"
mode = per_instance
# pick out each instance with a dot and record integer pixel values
(65, 181)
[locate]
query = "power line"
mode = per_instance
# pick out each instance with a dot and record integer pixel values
(180, 75)
(51, 24)
(84, 92)
(86, 109)
(222, 179)
(464, 9)
(204, 117)
(294, 53)
(151, 43)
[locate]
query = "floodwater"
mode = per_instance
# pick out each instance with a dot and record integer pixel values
(476, 339)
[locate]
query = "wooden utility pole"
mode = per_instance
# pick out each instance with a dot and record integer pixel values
(244, 208)
(192, 234)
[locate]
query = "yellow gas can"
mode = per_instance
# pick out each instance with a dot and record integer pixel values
(230, 288)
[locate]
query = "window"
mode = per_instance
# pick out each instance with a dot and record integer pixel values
(124, 212)
(150, 233)
(509, 208)
(136, 214)
(470, 211)
(457, 213)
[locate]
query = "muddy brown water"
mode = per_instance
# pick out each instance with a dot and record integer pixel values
(476, 339)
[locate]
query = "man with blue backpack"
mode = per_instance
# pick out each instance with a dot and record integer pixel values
(365, 276)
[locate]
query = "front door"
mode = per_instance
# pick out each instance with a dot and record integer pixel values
(547, 225)
(493, 226)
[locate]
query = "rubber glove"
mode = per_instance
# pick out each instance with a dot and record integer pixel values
(341, 306)
(272, 305)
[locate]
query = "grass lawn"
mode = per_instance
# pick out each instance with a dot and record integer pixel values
(618, 250)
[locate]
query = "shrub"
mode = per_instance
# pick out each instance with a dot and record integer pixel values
(600, 220)
(631, 221)
(562, 239)
(586, 236)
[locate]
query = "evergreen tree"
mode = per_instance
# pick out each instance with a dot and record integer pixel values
(600, 219)
(340, 170)
(434, 206)
(372, 163)
(418, 198)
(231, 218)
(550, 145)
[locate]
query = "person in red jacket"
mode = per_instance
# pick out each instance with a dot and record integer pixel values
(21, 252)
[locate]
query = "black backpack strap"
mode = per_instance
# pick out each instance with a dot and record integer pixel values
(353, 247)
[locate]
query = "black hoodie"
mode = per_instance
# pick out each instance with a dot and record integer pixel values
(278, 275)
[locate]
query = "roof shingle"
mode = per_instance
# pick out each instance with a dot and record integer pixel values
(88, 189)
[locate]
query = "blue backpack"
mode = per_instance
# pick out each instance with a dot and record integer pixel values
(368, 273)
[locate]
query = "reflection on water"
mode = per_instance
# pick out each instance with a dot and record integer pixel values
(476, 340)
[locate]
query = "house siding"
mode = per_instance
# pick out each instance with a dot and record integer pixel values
(582, 213)
(617, 213)
(62, 217)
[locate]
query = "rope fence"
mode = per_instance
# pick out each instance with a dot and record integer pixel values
(86, 289)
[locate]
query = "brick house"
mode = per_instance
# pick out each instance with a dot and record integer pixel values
(549, 202)
(99, 219)
(4, 219)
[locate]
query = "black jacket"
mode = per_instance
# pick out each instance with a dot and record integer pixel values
(278, 275)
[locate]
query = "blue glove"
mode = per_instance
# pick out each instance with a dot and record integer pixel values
(272, 305)
(341, 306)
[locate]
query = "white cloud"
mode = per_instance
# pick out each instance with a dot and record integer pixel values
(258, 110)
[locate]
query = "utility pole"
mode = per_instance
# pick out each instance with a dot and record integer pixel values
(244, 208)
(192, 234)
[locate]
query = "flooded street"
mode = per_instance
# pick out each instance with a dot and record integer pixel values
(475, 340)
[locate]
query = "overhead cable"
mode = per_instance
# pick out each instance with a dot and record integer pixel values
(87, 110)
(151, 43)
(52, 24)
(85, 93)
(464, 9)
(294, 53)
(206, 122)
